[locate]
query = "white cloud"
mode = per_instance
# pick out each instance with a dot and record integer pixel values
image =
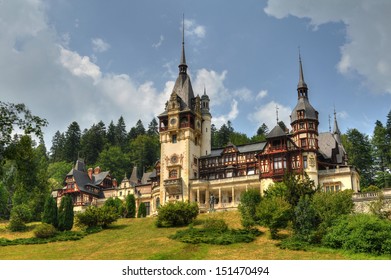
(262, 94)
(368, 40)
(79, 65)
(192, 29)
(243, 94)
(214, 84)
(218, 121)
(99, 45)
(159, 43)
(268, 114)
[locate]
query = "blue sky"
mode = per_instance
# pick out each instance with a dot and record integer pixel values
(88, 61)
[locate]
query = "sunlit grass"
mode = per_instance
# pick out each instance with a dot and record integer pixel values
(140, 239)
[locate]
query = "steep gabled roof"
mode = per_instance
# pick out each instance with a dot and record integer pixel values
(276, 132)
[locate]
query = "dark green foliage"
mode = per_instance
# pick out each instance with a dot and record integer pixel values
(176, 214)
(330, 206)
(298, 187)
(215, 231)
(361, 233)
(72, 142)
(65, 214)
(92, 142)
(117, 204)
(130, 206)
(60, 236)
(96, 217)
(249, 201)
(142, 211)
(277, 189)
(18, 116)
(4, 202)
(50, 212)
(275, 213)
(45, 231)
(216, 225)
(305, 220)
(20, 215)
(112, 158)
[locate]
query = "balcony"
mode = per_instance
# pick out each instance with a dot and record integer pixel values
(173, 186)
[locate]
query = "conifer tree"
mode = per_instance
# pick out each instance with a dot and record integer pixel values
(49, 214)
(130, 206)
(65, 213)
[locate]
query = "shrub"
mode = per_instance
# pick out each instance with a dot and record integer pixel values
(330, 206)
(65, 213)
(217, 225)
(142, 211)
(45, 230)
(247, 207)
(20, 215)
(117, 204)
(305, 221)
(275, 213)
(361, 233)
(177, 214)
(96, 217)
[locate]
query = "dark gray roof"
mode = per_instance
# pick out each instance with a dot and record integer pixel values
(146, 178)
(277, 131)
(327, 142)
(309, 111)
(184, 90)
(255, 147)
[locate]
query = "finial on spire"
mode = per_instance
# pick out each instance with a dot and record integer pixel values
(301, 86)
(329, 123)
(277, 112)
(182, 65)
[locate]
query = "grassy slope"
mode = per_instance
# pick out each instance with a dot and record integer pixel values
(139, 239)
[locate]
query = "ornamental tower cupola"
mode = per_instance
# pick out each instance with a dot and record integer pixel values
(206, 142)
(304, 122)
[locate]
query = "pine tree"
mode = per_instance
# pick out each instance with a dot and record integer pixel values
(72, 142)
(142, 211)
(49, 214)
(57, 149)
(153, 128)
(65, 213)
(120, 134)
(110, 135)
(130, 206)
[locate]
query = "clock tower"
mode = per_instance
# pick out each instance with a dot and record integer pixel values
(180, 128)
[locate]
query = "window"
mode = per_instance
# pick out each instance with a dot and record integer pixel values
(332, 187)
(303, 142)
(173, 174)
(311, 125)
(195, 161)
(277, 163)
(305, 162)
(174, 140)
(301, 125)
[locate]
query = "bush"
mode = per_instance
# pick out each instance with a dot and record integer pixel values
(306, 221)
(275, 213)
(361, 233)
(45, 231)
(217, 225)
(142, 211)
(96, 217)
(117, 204)
(177, 214)
(20, 215)
(247, 207)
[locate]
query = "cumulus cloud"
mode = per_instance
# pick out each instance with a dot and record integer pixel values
(192, 29)
(268, 114)
(368, 40)
(243, 94)
(218, 121)
(213, 82)
(99, 45)
(38, 68)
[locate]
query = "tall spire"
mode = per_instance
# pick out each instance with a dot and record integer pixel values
(302, 88)
(336, 131)
(182, 65)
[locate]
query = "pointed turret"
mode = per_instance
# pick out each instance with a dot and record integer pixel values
(336, 131)
(182, 65)
(302, 88)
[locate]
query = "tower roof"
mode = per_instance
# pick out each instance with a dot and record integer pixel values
(301, 83)
(277, 131)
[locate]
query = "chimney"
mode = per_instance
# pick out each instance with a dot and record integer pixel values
(115, 183)
(90, 173)
(97, 170)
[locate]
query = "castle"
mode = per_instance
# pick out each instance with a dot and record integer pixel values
(190, 170)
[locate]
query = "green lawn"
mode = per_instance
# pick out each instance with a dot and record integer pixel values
(139, 239)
